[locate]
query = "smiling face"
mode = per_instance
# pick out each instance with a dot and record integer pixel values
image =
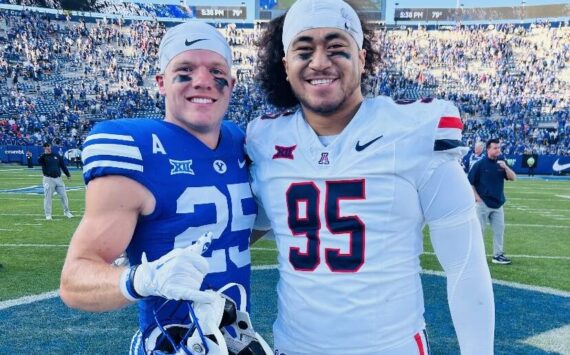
(197, 85)
(324, 67)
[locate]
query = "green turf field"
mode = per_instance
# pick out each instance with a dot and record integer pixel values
(32, 249)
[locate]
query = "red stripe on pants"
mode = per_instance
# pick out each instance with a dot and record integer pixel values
(418, 339)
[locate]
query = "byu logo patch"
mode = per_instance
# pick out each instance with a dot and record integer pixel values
(220, 166)
(181, 167)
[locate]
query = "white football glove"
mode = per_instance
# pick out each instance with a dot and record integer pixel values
(176, 275)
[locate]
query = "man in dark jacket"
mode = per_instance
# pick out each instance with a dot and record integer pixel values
(487, 177)
(52, 165)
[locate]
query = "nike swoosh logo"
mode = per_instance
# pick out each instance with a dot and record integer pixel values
(161, 265)
(189, 43)
(241, 163)
(558, 167)
(360, 148)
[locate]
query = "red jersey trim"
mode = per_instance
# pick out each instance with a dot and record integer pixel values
(450, 122)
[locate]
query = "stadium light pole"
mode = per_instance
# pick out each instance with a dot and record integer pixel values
(395, 14)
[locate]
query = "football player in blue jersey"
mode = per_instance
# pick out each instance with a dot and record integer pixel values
(154, 187)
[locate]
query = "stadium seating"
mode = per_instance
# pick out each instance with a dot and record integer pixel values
(509, 81)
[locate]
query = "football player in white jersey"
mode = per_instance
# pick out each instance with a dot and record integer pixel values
(155, 186)
(347, 184)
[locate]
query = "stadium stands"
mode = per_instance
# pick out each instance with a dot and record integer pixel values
(58, 77)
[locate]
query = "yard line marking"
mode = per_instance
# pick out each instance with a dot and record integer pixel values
(555, 340)
(508, 224)
(536, 225)
(563, 196)
(28, 299)
(9, 170)
(525, 199)
(535, 188)
(34, 214)
(541, 289)
(10, 230)
(264, 267)
(523, 256)
(527, 208)
(432, 253)
(28, 224)
(8, 245)
(529, 193)
(2, 198)
(55, 293)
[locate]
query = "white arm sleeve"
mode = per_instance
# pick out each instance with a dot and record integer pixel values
(448, 203)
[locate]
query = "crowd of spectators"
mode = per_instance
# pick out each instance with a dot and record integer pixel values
(58, 77)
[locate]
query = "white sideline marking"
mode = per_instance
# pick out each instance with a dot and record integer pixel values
(10, 230)
(28, 299)
(555, 340)
(52, 294)
(563, 196)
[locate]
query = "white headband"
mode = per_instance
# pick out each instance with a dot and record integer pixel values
(308, 14)
(192, 35)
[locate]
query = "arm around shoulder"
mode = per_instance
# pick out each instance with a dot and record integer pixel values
(112, 207)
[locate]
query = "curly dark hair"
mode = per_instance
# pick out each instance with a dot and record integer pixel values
(270, 72)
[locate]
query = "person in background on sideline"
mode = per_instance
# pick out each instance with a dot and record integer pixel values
(477, 155)
(347, 184)
(487, 177)
(52, 165)
(29, 159)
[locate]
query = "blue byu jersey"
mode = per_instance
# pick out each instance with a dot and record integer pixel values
(197, 189)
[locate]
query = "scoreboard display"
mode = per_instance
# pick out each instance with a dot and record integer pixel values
(361, 5)
(220, 12)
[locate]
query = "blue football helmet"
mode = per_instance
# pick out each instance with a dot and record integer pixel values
(217, 328)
